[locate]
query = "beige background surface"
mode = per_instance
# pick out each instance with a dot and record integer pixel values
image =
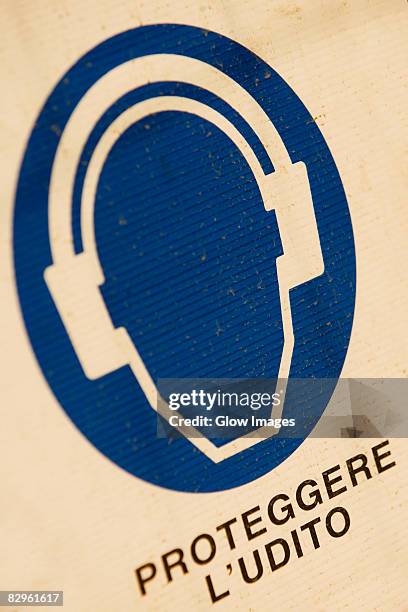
(71, 520)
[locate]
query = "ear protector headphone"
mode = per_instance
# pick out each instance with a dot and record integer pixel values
(74, 279)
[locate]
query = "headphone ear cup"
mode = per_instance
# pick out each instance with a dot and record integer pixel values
(74, 287)
(288, 192)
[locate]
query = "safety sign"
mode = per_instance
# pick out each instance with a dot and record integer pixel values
(179, 215)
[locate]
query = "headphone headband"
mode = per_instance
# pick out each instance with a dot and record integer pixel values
(126, 77)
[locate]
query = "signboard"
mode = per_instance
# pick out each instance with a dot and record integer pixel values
(201, 252)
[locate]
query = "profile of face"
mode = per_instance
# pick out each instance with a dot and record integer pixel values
(189, 252)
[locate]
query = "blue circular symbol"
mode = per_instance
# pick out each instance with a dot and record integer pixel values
(178, 216)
